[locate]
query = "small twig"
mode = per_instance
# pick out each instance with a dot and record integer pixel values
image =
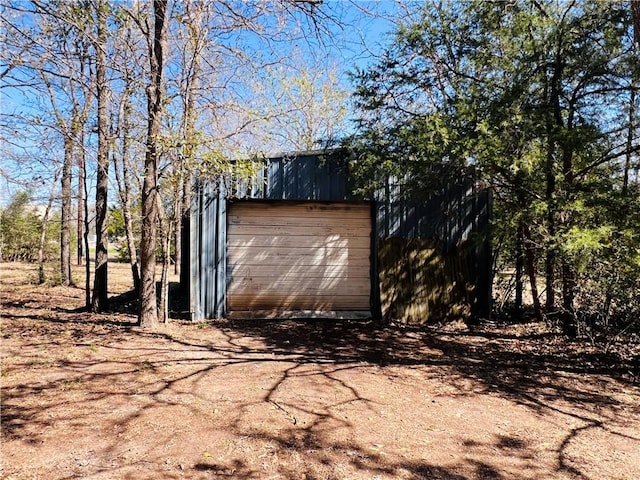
(293, 419)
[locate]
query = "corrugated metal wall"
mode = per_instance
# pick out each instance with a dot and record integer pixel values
(298, 177)
(450, 217)
(458, 215)
(455, 222)
(208, 250)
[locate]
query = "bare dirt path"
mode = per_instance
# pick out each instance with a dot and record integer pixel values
(92, 396)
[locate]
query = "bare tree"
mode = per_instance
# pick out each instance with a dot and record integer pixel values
(217, 48)
(43, 229)
(123, 174)
(148, 316)
(305, 106)
(99, 301)
(52, 66)
(127, 133)
(192, 59)
(70, 104)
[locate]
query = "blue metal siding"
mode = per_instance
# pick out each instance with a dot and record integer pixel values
(207, 251)
(449, 217)
(221, 255)
(305, 177)
(195, 240)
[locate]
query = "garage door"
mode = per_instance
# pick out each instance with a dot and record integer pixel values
(298, 256)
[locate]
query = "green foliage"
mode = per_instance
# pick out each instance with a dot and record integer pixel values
(116, 228)
(20, 229)
(117, 234)
(605, 247)
(534, 96)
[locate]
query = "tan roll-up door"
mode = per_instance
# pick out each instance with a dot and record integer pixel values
(292, 256)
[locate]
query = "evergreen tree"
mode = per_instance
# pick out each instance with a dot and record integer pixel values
(533, 95)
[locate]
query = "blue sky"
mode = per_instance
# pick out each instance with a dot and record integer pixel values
(355, 40)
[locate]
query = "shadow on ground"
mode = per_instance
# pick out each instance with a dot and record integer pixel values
(508, 362)
(284, 390)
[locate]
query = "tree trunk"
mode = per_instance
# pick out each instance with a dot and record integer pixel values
(43, 231)
(124, 190)
(87, 257)
(177, 231)
(165, 239)
(519, 269)
(553, 121)
(185, 222)
(131, 244)
(196, 30)
(164, 281)
(531, 271)
(148, 316)
(80, 198)
(65, 227)
(100, 298)
(630, 130)
(550, 262)
(568, 316)
(635, 14)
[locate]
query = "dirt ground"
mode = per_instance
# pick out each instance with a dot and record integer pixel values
(93, 396)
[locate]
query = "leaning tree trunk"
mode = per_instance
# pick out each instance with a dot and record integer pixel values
(148, 316)
(128, 229)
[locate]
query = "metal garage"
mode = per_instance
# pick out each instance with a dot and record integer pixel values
(294, 238)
